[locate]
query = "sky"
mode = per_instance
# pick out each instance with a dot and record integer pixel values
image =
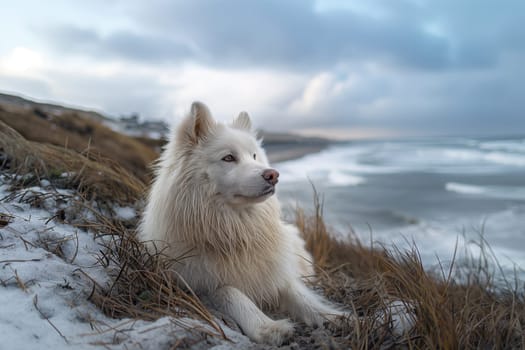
(340, 68)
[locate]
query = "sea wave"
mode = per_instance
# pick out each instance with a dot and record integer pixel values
(502, 230)
(506, 159)
(356, 159)
(339, 178)
(338, 165)
(425, 191)
(479, 156)
(501, 192)
(464, 188)
(516, 146)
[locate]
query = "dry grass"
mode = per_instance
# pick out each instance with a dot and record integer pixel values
(143, 288)
(77, 132)
(459, 308)
(143, 284)
(93, 177)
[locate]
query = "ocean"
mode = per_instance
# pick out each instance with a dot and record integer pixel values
(431, 192)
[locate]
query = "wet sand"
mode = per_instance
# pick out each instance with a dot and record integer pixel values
(282, 152)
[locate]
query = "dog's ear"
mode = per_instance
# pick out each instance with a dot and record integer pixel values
(243, 122)
(198, 125)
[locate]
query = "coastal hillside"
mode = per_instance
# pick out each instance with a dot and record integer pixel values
(73, 276)
(80, 132)
(133, 142)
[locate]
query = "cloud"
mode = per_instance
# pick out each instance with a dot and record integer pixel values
(302, 34)
(290, 35)
(20, 60)
(293, 34)
(380, 97)
(264, 94)
(17, 84)
(19, 71)
(123, 44)
(413, 66)
(161, 92)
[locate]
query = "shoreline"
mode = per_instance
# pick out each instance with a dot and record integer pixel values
(278, 153)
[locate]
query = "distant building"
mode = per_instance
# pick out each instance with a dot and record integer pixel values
(134, 126)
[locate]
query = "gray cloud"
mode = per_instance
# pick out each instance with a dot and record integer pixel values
(456, 102)
(416, 65)
(292, 34)
(422, 35)
(121, 44)
(34, 86)
(289, 34)
(121, 93)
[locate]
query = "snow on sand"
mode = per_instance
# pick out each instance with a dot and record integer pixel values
(44, 286)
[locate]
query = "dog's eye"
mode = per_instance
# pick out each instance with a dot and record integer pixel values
(254, 156)
(229, 158)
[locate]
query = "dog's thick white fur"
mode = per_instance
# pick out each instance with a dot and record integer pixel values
(212, 202)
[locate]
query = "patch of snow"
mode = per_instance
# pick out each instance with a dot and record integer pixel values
(45, 183)
(124, 213)
(44, 294)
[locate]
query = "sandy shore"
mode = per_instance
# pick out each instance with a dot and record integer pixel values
(283, 152)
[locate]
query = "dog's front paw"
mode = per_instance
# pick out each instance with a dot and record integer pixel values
(275, 332)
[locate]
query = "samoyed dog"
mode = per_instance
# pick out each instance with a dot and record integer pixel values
(213, 203)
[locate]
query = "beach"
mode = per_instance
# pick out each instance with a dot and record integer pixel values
(282, 147)
(285, 152)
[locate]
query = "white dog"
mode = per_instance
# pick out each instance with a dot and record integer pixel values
(212, 202)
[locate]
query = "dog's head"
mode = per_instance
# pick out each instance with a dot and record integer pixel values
(228, 157)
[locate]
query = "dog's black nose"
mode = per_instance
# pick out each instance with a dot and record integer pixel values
(271, 176)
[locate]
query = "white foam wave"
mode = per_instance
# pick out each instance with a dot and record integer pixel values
(502, 230)
(501, 192)
(475, 156)
(506, 159)
(339, 178)
(356, 159)
(463, 188)
(462, 155)
(338, 161)
(517, 146)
